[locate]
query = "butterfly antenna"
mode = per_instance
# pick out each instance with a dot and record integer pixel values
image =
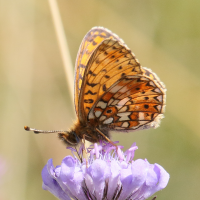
(27, 128)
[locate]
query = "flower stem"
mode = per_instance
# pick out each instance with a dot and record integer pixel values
(62, 40)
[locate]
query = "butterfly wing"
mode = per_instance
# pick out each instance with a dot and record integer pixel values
(90, 42)
(110, 61)
(132, 103)
(112, 89)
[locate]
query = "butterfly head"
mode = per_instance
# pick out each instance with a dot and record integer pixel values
(70, 138)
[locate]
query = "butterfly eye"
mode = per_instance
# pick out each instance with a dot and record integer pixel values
(70, 138)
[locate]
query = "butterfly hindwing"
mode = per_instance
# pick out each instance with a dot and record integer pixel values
(132, 103)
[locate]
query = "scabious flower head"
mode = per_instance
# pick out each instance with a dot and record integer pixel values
(107, 174)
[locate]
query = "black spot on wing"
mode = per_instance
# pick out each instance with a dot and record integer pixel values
(91, 84)
(104, 87)
(106, 76)
(123, 74)
(109, 111)
(90, 92)
(88, 100)
(92, 73)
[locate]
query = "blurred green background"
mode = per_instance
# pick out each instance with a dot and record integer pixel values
(164, 35)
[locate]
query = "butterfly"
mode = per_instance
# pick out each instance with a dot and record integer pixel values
(112, 91)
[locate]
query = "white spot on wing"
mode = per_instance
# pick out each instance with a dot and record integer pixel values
(124, 89)
(159, 107)
(101, 104)
(110, 101)
(141, 116)
(91, 115)
(152, 84)
(98, 113)
(102, 118)
(108, 121)
(115, 89)
(125, 124)
(122, 102)
(124, 116)
(123, 109)
(115, 102)
(157, 90)
(160, 98)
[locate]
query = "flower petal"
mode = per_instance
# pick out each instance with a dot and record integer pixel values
(99, 172)
(135, 178)
(52, 186)
(71, 178)
(114, 182)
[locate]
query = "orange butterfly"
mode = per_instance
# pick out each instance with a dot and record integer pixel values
(112, 90)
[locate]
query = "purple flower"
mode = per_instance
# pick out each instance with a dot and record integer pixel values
(106, 174)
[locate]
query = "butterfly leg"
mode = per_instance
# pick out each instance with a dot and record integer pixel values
(85, 151)
(107, 138)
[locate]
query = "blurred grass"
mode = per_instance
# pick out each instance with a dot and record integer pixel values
(164, 35)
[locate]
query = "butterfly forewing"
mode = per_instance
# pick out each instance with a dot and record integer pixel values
(111, 60)
(90, 42)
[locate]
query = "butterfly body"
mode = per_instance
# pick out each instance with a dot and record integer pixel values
(112, 90)
(86, 131)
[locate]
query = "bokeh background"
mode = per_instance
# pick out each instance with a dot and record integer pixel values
(164, 35)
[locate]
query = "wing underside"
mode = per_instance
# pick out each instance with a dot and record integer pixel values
(90, 42)
(132, 103)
